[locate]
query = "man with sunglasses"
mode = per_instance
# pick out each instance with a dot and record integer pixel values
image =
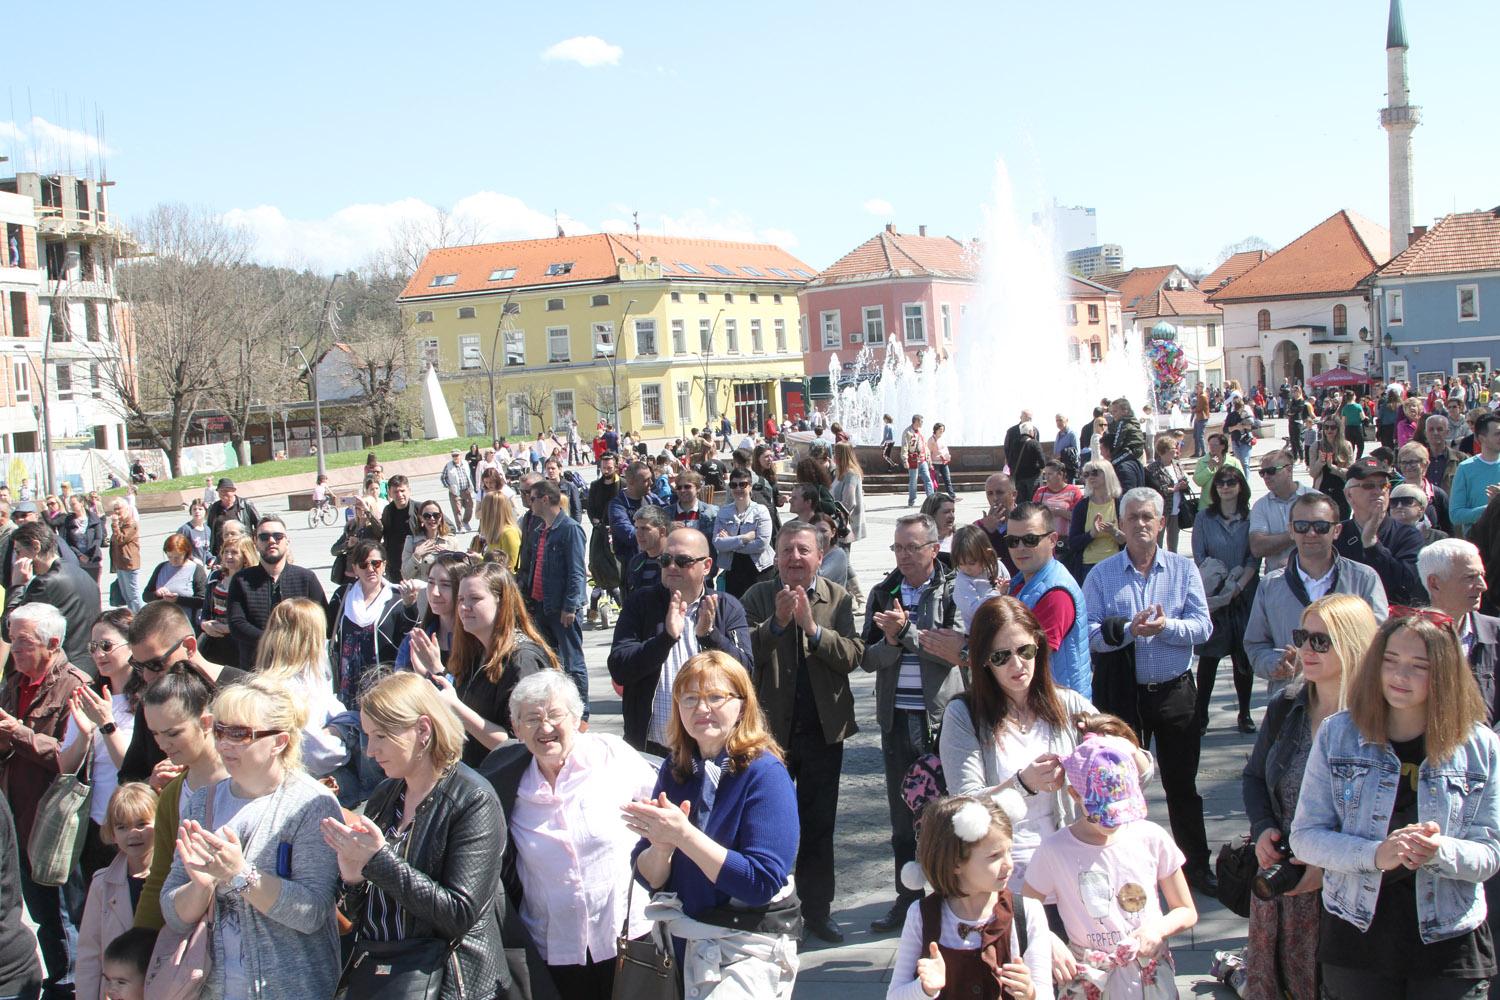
(1313, 569)
(1151, 601)
(1044, 585)
(805, 646)
(1270, 536)
(557, 588)
(162, 642)
(661, 628)
(255, 591)
(1371, 536)
(39, 576)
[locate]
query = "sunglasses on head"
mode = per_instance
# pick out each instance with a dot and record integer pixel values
(1316, 527)
(1000, 657)
(271, 536)
(1030, 541)
(1321, 642)
(666, 559)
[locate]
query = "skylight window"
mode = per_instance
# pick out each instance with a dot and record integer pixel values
(664, 268)
(722, 270)
(553, 270)
(502, 274)
(751, 271)
(444, 280)
(798, 270)
(687, 268)
(778, 272)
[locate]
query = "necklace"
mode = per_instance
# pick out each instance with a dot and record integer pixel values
(1023, 728)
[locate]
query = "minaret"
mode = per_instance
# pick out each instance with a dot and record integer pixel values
(1398, 118)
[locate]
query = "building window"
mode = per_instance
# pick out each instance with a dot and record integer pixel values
(679, 337)
(676, 296)
(95, 382)
(468, 350)
(1075, 351)
(645, 336)
(465, 312)
(874, 317)
(21, 376)
(1263, 321)
(728, 296)
(557, 345)
(726, 272)
(1096, 352)
(732, 335)
(562, 411)
(604, 340)
(1393, 311)
(686, 268)
(1072, 314)
(914, 320)
(754, 298)
(651, 404)
(64, 381)
(1213, 335)
(1340, 321)
(555, 270)
(1468, 303)
(443, 280)
(476, 416)
(515, 348)
(831, 333)
(757, 339)
(1093, 312)
(554, 305)
(502, 274)
(776, 300)
(599, 300)
(520, 417)
(91, 322)
(428, 346)
(684, 401)
(802, 340)
(778, 326)
(703, 298)
(705, 336)
(424, 316)
(947, 315)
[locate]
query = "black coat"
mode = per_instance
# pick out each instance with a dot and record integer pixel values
(74, 593)
(1394, 558)
(250, 603)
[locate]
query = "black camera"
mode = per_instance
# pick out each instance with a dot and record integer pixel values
(1278, 878)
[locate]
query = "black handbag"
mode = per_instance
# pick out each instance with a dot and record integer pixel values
(645, 969)
(1187, 510)
(396, 970)
(1236, 867)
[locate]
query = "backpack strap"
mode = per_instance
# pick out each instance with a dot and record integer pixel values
(931, 909)
(1020, 925)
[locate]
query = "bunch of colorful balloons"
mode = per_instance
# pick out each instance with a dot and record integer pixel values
(1167, 364)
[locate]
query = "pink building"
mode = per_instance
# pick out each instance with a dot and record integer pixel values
(917, 288)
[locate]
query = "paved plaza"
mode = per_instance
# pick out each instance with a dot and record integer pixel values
(860, 968)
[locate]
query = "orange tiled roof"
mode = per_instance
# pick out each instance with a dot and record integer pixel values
(1465, 241)
(889, 254)
(1236, 265)
(1086, 288)
(1136, 284)
(1331, 258)
(575, 259)
(1168, 302)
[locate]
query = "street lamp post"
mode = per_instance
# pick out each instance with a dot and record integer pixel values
(703, 356)
(505, 310)
(312, 379)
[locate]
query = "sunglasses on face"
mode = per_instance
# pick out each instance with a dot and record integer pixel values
(105, 646)
(158, 664)
(432, 515)
(1321, 642)
(1316, 527)
(241, 736)
(271, 536)
(1000, 657)
(372, 564)
(1406, 502)
(1030, 541)
(1219, 484)
(1270, 470)
(667, 560)
(739, 486)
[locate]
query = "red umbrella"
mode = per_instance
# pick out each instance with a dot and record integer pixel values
(1339, 376)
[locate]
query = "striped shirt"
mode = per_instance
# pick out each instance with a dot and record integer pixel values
(909, 681)
(685, 649)
(384, 919)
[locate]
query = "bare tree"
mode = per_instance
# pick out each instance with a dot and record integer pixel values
(536, 400)
(412, 239)
(377, 373)
(1249, 243)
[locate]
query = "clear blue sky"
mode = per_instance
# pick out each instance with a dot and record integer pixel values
(1187, 125)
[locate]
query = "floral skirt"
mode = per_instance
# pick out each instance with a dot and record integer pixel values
(1120, 973)
(1282, 957)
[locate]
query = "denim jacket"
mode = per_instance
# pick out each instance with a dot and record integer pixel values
(1344, 811)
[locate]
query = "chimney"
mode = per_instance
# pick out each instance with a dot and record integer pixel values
(921, 230)
(890, 227)
(1417, 232)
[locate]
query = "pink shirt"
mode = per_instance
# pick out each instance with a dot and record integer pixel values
(1105, 892)
(573, 850)
(1061, 504)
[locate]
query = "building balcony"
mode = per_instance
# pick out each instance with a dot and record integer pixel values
(21, 278)
(1406, 116)
(79, 290)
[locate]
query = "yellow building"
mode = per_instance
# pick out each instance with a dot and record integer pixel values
(673, 332)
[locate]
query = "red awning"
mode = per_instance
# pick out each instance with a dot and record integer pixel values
(1337, 377)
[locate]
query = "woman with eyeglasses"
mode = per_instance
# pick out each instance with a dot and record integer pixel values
(1334, 633)
(1400, 808)
(568, 853)
(742, 532)
(367, 618)
(1094, 531)
(417, 870)
(720, 831)
(1230, 571)
(102, 721)
(235, 554)
(1328, 465)
(441, 617)
(499, 537)
(432, 538)
(496, 645)
(1166, 477)
(364, 524)
(250, 849)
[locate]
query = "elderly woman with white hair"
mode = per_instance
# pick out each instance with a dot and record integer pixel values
(566, 867)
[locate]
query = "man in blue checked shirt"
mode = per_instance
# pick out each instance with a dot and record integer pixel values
(1152, 600)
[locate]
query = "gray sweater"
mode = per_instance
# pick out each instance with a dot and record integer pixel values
(293, 950)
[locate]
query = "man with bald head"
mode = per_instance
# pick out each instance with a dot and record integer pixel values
(660, 628)
(1000, 494)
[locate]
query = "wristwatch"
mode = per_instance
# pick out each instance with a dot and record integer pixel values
(244, 881)
(108, 729)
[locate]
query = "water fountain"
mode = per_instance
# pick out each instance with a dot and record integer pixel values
(1012, 352)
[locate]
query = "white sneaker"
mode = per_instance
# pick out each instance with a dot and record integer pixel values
(603, 614)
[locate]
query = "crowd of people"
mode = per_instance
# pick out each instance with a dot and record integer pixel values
(321, 788)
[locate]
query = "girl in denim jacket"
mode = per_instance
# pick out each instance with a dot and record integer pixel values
(1399, 809)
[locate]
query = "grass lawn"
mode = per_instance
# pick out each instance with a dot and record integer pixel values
(389, 452)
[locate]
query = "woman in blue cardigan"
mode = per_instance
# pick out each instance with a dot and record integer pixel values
(721, 834)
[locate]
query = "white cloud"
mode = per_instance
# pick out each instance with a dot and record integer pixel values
(879, 206)
(585, 50)
(700, 224)
(41, 145)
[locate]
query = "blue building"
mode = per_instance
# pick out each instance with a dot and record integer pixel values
(1437, 303)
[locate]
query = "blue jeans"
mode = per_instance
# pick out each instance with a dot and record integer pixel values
(57, 911)
(130, 587)
(567, 642)
(912, 475)
(945, 478)
(1242, 452)
(1200, 428)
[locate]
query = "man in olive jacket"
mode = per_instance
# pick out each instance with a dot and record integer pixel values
(805, 647)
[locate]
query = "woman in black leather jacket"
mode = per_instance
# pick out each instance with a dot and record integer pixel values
(418, 866)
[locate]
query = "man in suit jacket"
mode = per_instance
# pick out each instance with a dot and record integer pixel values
(41, 577)
(662, 627)
(805, 646)
(255, 591)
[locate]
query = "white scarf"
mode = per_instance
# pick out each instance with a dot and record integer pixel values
(361, 612)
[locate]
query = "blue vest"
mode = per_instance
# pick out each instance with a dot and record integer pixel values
(1072, 666)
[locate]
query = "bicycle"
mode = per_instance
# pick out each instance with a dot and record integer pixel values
(327, 512)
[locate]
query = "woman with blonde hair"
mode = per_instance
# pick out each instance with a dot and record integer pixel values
(499, 537)
(1094, 532)
(1329, 460)
(130, 815)
(1335, 632)
(495, 646)
(294, 651)
(235, 553)
(726, 772)
(1400, 809)
(418, 867)
(251, 848)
